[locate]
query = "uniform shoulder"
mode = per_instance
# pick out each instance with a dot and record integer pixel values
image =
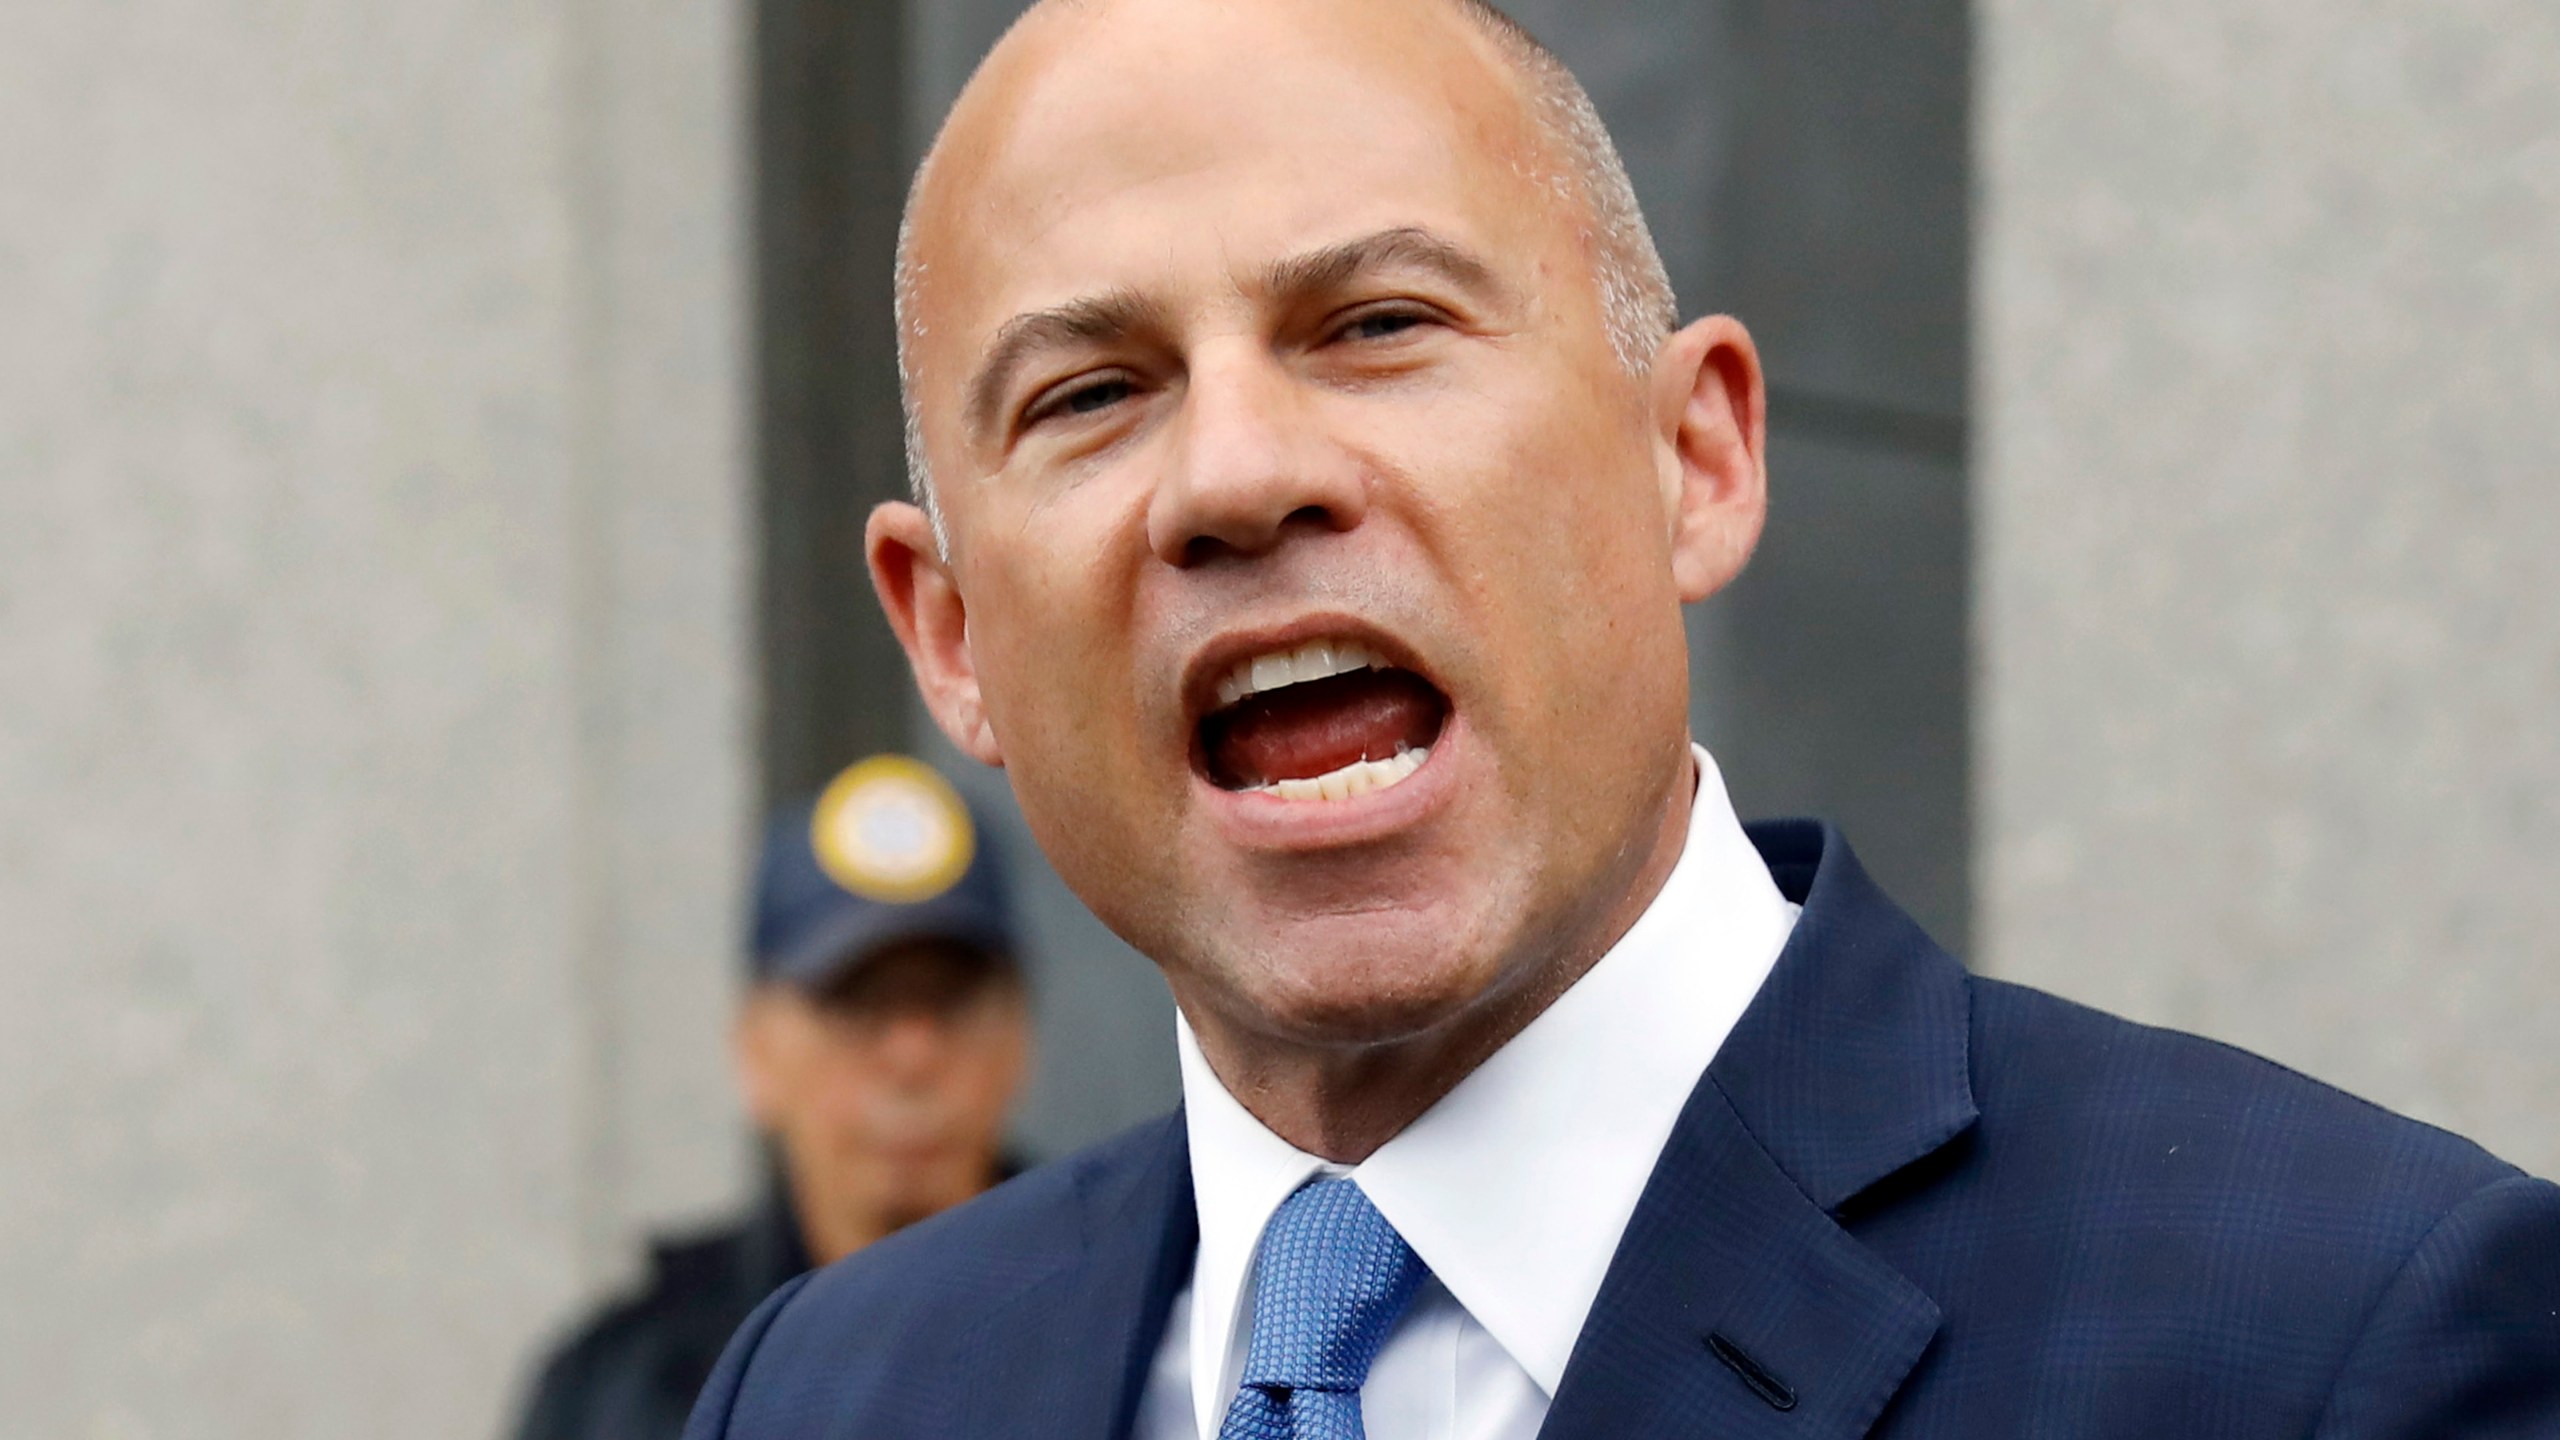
(647, 1346)
(681, 1268)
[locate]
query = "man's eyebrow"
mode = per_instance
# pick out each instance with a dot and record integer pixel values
(1100, 319)
(1406, 245)
(1093, 320)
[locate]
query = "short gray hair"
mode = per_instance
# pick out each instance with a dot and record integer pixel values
(1636, 303)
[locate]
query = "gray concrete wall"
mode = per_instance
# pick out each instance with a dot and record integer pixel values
(2269, 317)
(372, 694)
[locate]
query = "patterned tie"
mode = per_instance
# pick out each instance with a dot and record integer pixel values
(1334, 1276)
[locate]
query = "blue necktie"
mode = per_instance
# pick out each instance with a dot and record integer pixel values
(1334, 1275)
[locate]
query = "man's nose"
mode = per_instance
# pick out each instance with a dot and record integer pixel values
(1251, 464)
(911, 1044)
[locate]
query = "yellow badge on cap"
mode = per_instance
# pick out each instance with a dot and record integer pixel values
(892, 830)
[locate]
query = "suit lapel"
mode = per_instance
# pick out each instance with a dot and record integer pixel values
(1724, 1251)
(1068, 1358)
(1737, 1305)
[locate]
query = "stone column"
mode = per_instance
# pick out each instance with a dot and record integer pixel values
(2269, 318)
(373, 695)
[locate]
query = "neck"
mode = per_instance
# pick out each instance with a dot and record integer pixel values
(1342, 1103)
(829, 1229)
(830, 1240)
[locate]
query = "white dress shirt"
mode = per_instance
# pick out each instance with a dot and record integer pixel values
(1514, 1188)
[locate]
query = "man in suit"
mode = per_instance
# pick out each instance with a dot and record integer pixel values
(1310, 476)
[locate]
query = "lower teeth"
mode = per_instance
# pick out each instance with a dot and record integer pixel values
(1357, 778)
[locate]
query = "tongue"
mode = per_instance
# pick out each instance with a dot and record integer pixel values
(1301, 731)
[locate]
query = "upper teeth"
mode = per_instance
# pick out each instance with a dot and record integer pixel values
(1314, 660)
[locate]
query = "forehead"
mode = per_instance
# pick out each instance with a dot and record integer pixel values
(1115, 147)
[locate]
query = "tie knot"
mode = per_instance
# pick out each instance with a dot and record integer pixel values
(1333, 1277)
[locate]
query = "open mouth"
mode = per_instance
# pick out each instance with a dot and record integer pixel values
(1326, 720)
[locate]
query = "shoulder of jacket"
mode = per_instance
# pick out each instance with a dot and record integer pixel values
(2136, 1083)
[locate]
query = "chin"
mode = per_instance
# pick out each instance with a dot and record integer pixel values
(1364, 980)
(922, 1197)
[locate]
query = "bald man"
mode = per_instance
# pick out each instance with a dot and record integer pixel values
(1310, 476)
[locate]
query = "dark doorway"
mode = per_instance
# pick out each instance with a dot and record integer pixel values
(831, 158)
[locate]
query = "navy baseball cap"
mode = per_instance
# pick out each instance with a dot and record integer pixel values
(888, 852)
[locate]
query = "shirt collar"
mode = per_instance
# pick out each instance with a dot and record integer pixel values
(1517, 1185)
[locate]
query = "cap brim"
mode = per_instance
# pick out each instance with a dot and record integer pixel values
(846, 942)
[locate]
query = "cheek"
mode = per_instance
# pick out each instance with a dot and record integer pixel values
(1049, 626)
(1555, 541)
(841, 1101)
(978, 1105)
(1077, 686)
(1545, 497)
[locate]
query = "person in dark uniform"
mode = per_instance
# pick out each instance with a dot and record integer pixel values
(884, 1032)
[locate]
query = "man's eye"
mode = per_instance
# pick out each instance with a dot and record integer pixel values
(1083, 400)
(1381, 324)
(1090, 398)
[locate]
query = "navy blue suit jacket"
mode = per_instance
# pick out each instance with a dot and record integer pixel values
(1903, 1202)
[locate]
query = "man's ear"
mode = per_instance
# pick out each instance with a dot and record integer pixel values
(931, 618)
(1710, 410)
